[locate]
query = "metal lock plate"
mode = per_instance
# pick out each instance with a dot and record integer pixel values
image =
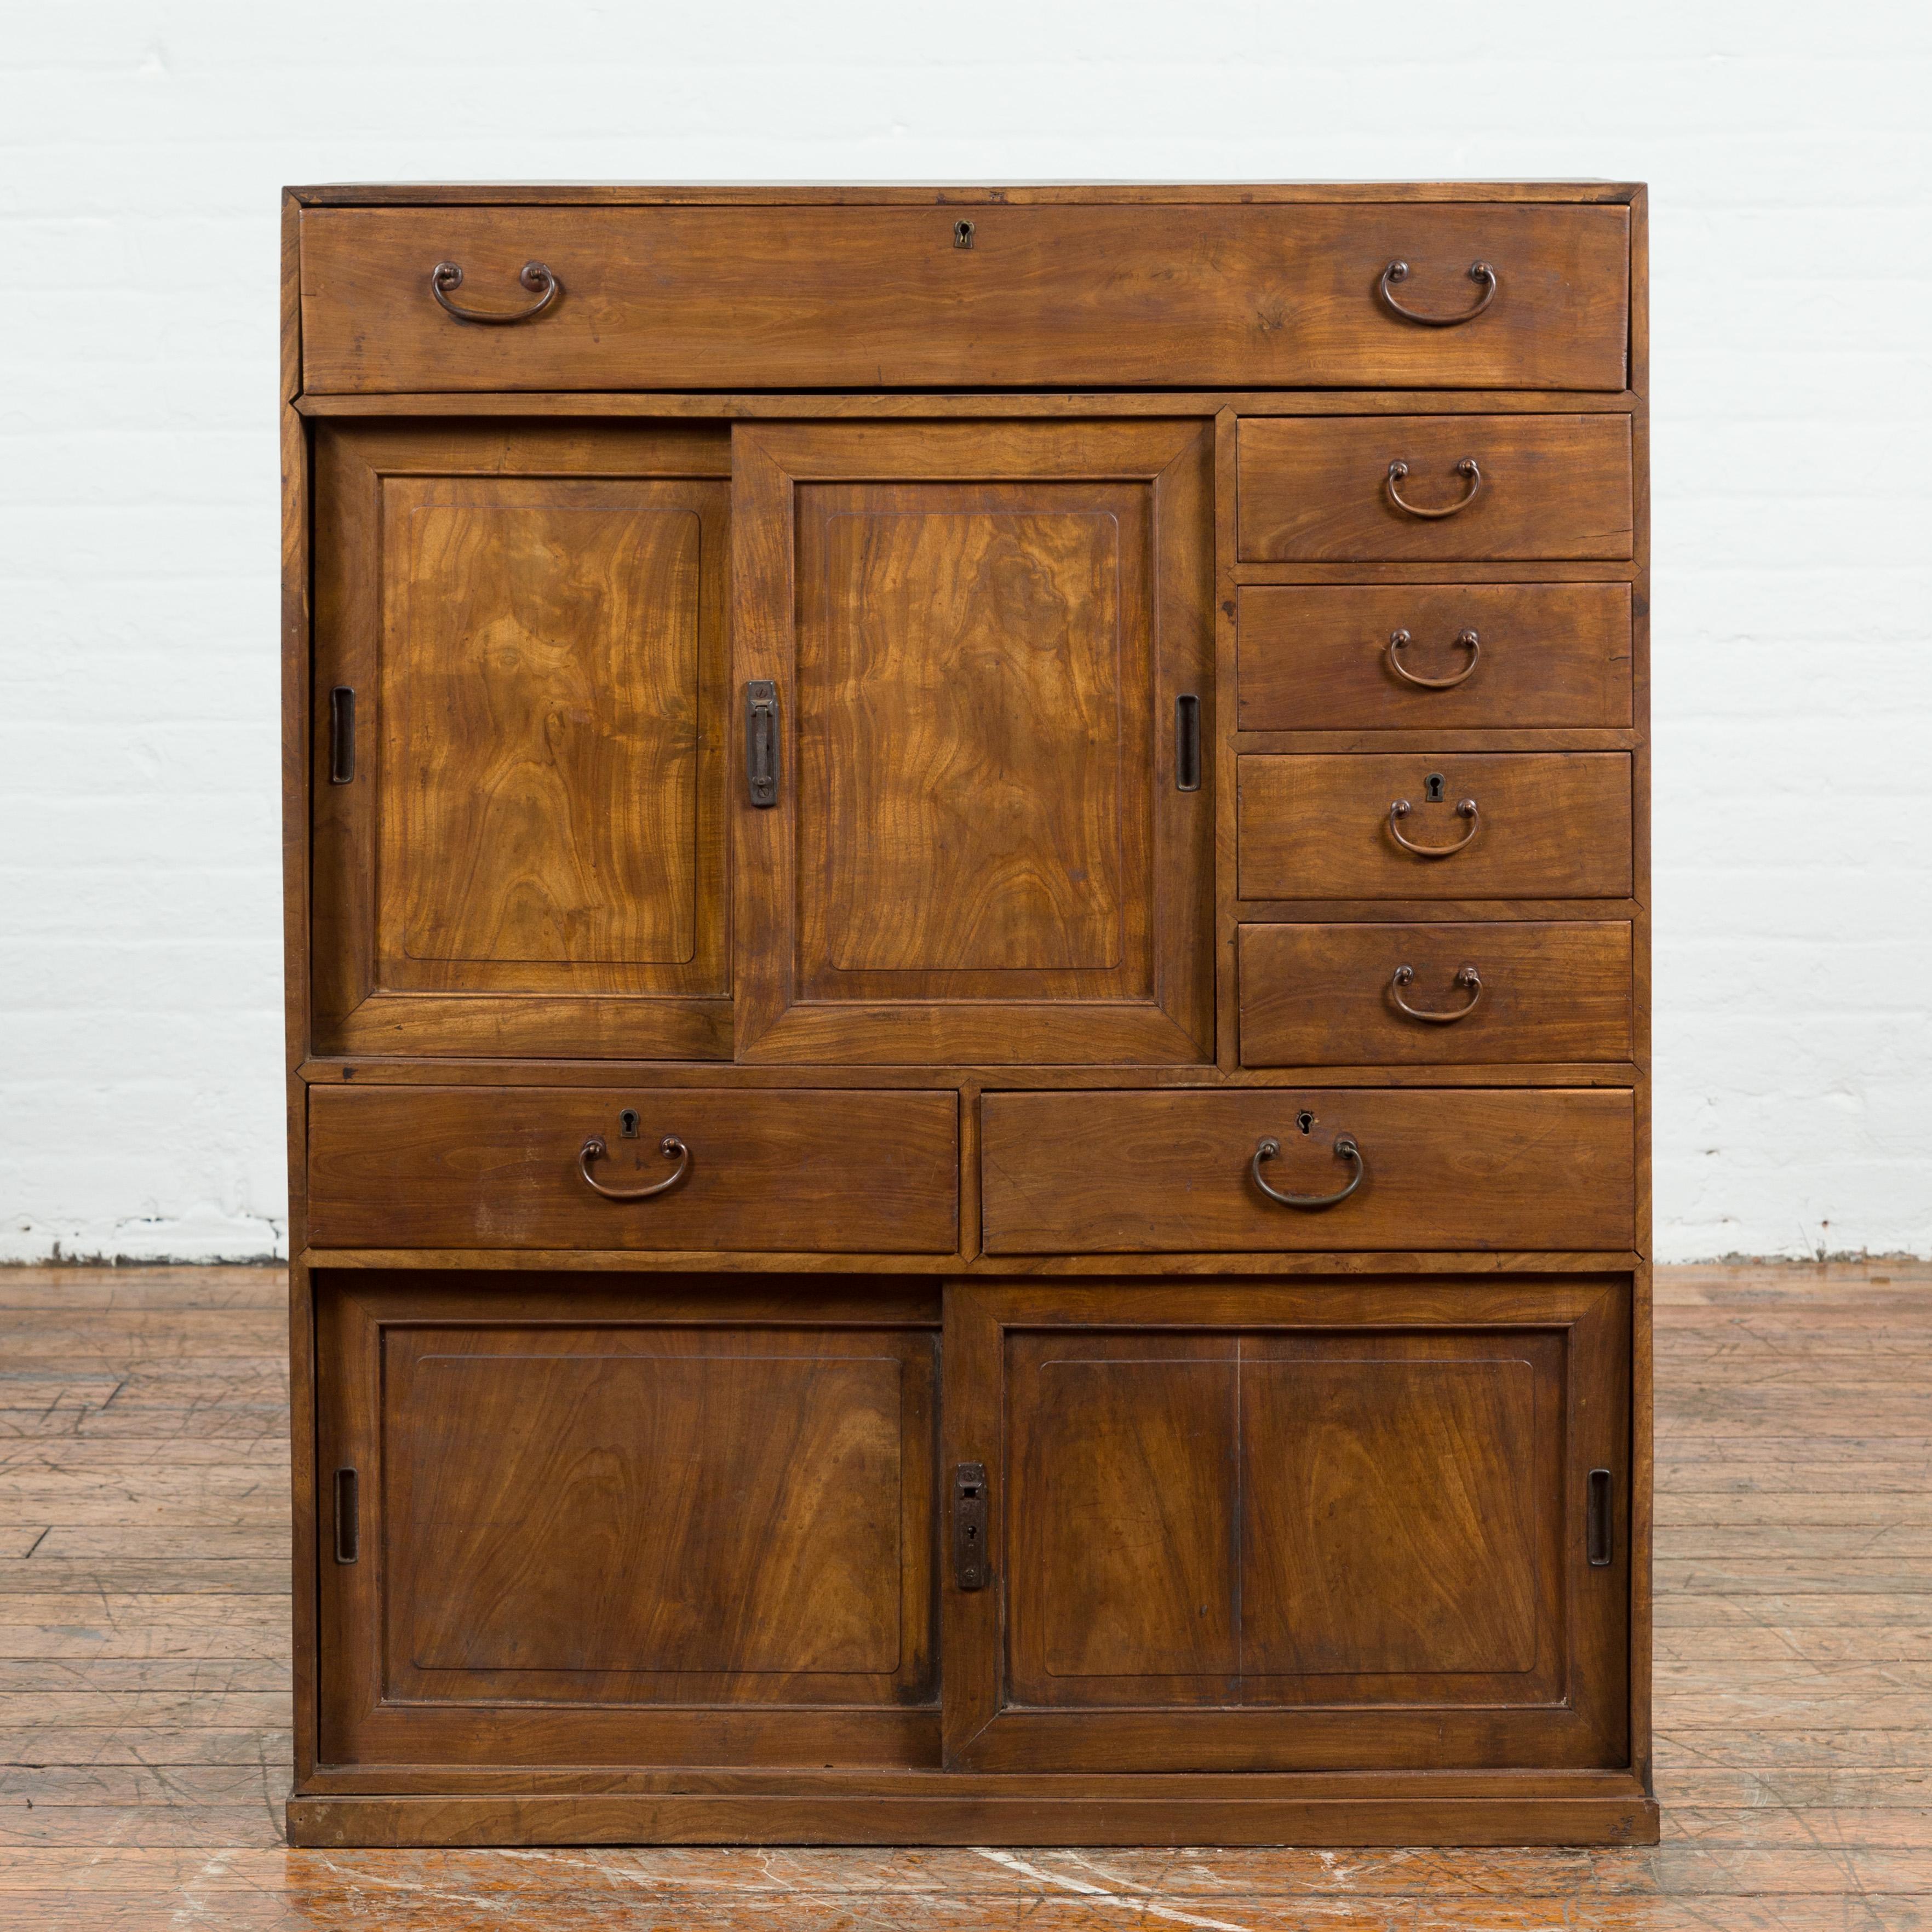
(971, 1569)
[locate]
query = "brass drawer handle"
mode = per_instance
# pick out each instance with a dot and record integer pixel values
(1466, 469)
(1398, 641)
(1469, 977)
(1465, 808)
(1346, 1149)
(1480, 272)
(670, 1146)
(446, 276)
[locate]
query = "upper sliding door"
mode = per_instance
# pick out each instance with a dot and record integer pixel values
(977, 636)
(520, 706)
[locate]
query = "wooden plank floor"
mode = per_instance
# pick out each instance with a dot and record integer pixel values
(144, 1668)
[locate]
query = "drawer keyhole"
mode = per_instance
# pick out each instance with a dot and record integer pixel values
(627, 1124)
(962, 235)
(1305, 1120)
(1432, 788)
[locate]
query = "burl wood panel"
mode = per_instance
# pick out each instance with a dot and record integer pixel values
(529, 856)
(879, 297)
(1207, 1519)
(1553, 991)
(1317, 657)
(568, 1506)
(1402, 1513)
(589, 1522)
(1122, 1523)
(498, 1168)
(1548, 825)
(973, 715)
(1315, 489)
(1365, 1504)
(541, 693)
(1169, 1172)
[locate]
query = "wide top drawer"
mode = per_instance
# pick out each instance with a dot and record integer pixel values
(1212, 295)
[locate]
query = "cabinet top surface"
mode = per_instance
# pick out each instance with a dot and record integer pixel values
(863, 194)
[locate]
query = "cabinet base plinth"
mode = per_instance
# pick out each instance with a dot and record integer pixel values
(773, 1818)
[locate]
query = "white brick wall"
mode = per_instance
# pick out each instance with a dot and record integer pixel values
(1789, 152)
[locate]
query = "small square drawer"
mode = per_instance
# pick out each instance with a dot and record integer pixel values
(1422, 489)
(1337, 657)
(681, 1168)
(1321, 1168)
(1438, 993)
(1418, 826)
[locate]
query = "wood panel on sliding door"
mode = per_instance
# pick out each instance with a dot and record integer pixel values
(519, 703)
(584, 1521)
(979, 635)
(1328, 1527)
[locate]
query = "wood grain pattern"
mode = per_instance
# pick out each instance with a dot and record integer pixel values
(1118, 1173)
(1386, 1527)
(1549, 825)
(978, 632)
(839, 1172)
(880, 298)
(547, 1544)
(162, 1818)
(530, 858)
(973, 661)
(541, 692)
(1122, 1521)
(1364, 1504)
(1315, 489)
(602, 1521)
(1402, 1516)
(1324, 995)
(1316, 658)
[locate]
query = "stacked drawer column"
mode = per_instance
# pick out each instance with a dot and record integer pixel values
(1437, 857)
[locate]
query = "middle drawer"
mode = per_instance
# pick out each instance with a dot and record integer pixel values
(1425, 489)
(648, 1169)
(1461, 826)
(1194, 1171)
(1442, 993)
(1353, 657)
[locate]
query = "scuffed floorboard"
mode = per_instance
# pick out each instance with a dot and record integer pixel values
(144, 1670)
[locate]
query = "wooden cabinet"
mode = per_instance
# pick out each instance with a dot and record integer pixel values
(968, 917)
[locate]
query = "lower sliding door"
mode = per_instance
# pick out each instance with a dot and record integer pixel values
(570, 1521)
(565, 1522)
(1315, 1527)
